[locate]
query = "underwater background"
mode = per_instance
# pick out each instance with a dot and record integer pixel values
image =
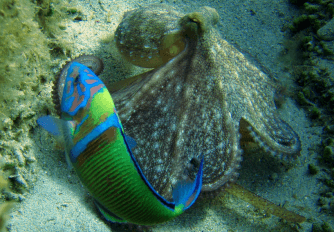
(291, 41)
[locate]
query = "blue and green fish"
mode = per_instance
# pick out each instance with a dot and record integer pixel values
(100, 152)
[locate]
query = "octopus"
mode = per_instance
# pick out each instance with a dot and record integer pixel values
(203, 98)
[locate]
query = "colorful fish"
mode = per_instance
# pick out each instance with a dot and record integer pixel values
(100, 152)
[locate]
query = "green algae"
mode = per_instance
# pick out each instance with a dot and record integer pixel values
(5, 207)
(313, 170)
(298, 2)
(324, 227)
(30, 46)
(315, 91)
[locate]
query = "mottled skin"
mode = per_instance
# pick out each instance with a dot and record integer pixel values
(195, 104)
(146, 36)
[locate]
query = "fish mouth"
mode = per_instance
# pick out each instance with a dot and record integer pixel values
(92, 62)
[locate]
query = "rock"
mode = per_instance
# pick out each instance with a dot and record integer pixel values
(327, 32)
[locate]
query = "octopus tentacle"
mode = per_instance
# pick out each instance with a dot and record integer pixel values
(195, 103)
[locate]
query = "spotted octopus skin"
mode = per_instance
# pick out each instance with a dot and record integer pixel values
(197, 103)
(150, 37)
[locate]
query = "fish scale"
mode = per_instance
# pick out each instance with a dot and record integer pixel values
(120, 171)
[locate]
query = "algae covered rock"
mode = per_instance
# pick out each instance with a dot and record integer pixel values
(327, 32)
(25, 80)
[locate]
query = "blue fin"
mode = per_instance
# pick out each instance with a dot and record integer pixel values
(131, 141)
(51, 124)
(187, 192)
(61, 129)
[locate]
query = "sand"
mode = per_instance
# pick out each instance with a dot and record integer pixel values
(58, 202)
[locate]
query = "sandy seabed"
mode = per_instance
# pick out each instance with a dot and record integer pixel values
(58, 202)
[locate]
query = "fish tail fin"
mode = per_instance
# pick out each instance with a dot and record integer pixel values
(187, 192)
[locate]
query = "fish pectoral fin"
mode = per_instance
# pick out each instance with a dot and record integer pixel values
(51, 124)
(187, 192)
(61, 130)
